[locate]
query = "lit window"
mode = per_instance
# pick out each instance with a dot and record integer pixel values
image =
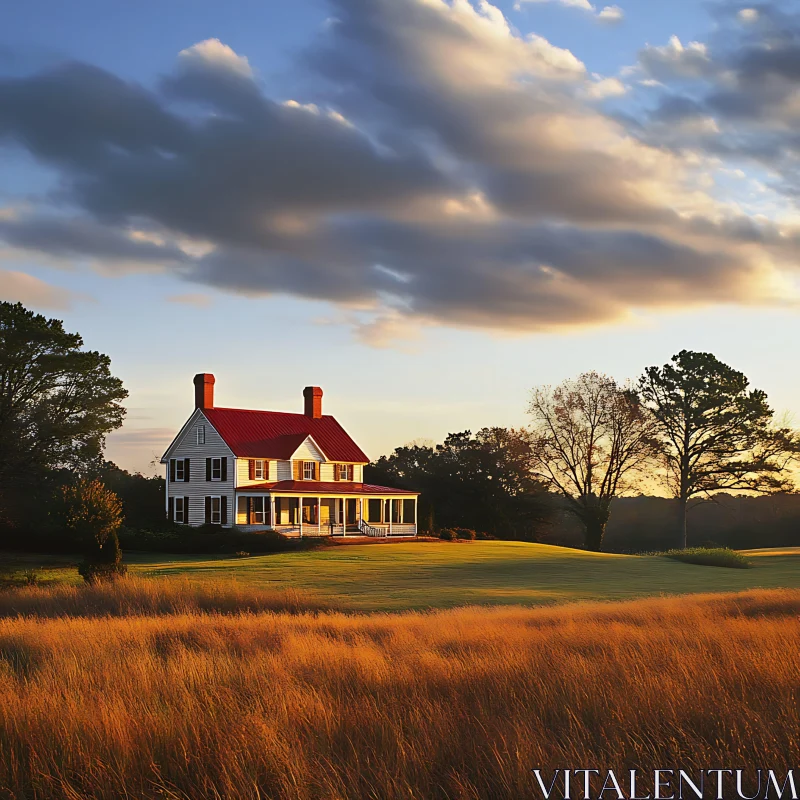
(180, 509)
(216, 510)
(180, 474)
(309, 470)
(201, 434)
(259, 471)
(216, 469)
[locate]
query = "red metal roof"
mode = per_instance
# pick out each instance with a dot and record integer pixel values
(276, 434)
(319, 487)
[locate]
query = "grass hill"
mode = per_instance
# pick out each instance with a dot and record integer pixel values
(420, 575)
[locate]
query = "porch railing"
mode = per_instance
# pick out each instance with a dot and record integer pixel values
(371, 530)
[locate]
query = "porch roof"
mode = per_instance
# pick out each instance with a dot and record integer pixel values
(316, 488)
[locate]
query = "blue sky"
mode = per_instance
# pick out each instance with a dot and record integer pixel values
(367, 287)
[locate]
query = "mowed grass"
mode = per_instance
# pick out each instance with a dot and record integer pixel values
(422, 575)
(174, 702)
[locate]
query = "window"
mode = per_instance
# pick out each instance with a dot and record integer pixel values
(344, 472)
(409, 507)
(259, 470)
(180, 470)
(257, 510)
(180, 509)
(216, 509)
(373, 510)
(309, 470)
(216, 469)
(200, 430)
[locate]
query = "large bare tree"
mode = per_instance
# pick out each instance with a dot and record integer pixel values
(591, 438)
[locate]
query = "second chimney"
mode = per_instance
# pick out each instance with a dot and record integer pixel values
(204, 390)
(313, 402)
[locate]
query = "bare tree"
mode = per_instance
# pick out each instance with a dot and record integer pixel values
(591, 438)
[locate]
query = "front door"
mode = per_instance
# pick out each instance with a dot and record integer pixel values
(352, 506)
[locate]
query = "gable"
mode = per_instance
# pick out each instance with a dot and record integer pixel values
(185, 443)
(308, 451)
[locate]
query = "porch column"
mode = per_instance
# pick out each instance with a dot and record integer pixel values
(416, 503)
(391, 509)
(344, 516)
(272, 512)
(300, 514)
(360, 509)
(319, 516)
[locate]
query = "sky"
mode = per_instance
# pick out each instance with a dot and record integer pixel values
(425, 207)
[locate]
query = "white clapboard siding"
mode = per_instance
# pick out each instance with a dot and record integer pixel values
(326, 471)
(358, 473)
(308, 451)
(283, 470)
(243, 472)
(197, 488)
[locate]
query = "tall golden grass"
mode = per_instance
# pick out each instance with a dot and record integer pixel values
(174, 701)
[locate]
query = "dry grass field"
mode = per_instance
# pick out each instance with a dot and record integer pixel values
(155, 688)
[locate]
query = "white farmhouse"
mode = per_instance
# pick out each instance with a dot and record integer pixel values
(270, 470)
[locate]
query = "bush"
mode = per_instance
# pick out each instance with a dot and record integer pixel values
(466, 534)
(719, 557)
(448, 534)
(103, 563)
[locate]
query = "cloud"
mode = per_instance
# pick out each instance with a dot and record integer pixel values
(19, 287)
(742, 86)
(608, 14)
(447, 170)
(213, 54)
(611, 15)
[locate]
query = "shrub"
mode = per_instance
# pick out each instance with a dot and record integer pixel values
(466, 534)
(104, 563)
(93, 514)
(242, 554)
(718, 557)
(448, 534)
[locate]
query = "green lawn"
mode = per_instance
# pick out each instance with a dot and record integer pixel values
(440, 574)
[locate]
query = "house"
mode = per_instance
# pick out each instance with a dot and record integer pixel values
(271, 470)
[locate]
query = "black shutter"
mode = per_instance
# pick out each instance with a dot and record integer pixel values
(224, 469)
(224, 508)
(171, 508)
(186, 463)
(208, 510)
(208, 469)
(251, 466)
(186, 510)
(172, 470)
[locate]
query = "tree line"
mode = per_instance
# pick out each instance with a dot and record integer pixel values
(692, 428)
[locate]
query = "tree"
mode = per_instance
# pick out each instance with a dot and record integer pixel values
(590, 437)
(57, 401)
(717, 433)
(482, 482)
(93, 514)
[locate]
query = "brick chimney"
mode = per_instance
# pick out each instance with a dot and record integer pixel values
(313, 404)
(204, 390)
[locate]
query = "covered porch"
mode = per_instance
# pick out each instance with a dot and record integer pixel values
(294, 514)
